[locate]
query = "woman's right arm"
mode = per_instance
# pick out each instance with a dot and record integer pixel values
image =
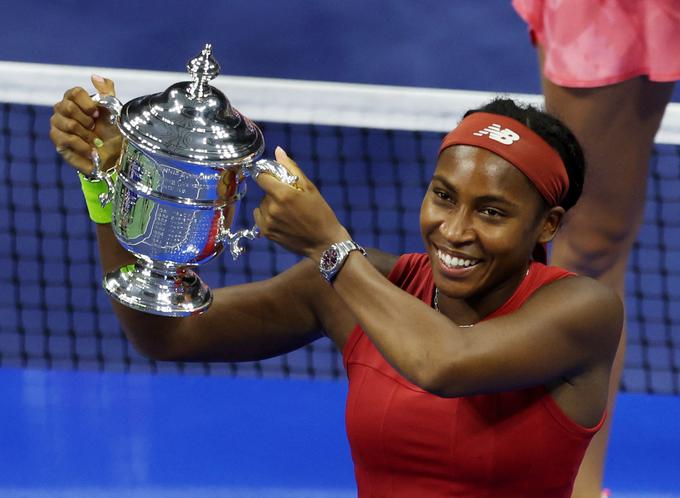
(245, 322)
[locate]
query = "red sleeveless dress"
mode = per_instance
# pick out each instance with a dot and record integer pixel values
(409, 443)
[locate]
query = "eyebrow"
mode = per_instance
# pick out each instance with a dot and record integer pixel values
(484, 198)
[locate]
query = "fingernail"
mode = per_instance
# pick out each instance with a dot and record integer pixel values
(280, 149)
(95, 114)
(98, 78)
(98, 142)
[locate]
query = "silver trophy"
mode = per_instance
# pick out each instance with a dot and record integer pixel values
(186, 155)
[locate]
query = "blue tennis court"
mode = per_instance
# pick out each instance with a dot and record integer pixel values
(78, 434)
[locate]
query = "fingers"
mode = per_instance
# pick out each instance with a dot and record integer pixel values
(78, 105)
(283, 158)
(265, 223)
(270, 213)
(82, 164)
(70, 129)
(73, 150)
(76, 125)
(273, 186)
(66, 140)
(103, 85)
(69, 134)
(259, 221)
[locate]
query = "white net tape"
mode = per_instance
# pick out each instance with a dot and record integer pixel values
(284, 101)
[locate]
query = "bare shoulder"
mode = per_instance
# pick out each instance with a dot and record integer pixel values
(383, 261)
(589, 310)
(584, 291)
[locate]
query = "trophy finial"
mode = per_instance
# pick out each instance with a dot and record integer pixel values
(202, 68)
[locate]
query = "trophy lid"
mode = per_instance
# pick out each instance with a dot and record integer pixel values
(192, 120)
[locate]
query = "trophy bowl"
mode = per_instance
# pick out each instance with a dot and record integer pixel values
(185, 158)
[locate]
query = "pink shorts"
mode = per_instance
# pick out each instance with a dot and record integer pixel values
(590, 43)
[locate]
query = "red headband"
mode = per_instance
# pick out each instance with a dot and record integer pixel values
(517, 144)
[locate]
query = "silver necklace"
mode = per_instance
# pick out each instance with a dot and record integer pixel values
(435, 302)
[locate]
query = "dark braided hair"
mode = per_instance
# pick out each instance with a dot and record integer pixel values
(553, 131)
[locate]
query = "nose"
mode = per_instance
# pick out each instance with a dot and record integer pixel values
(457, 227)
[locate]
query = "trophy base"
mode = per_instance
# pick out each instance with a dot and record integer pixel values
(165, 291)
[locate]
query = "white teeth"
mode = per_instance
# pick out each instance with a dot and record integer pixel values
(453, 261)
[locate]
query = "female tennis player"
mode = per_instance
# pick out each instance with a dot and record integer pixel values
(608, 71)
(474, 369)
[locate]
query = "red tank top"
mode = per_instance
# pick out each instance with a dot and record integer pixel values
(409, 443)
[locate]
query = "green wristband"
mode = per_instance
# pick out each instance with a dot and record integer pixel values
(91, 191)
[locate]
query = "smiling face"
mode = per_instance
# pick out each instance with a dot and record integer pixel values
(480, 220)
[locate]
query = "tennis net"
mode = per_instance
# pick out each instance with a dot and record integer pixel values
(369, 149)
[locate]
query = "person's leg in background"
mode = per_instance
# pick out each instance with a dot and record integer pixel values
(616, 126)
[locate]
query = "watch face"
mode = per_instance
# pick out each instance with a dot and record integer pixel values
(329, 259)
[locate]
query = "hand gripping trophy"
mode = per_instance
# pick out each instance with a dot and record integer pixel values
(185, 157)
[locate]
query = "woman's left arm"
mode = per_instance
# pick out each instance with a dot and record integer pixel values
(566, 327)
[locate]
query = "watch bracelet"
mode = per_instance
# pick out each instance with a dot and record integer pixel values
(346, 247)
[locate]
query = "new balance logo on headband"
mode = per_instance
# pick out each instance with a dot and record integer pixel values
(505, 136)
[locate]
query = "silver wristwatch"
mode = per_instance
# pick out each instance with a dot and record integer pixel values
(334, 257)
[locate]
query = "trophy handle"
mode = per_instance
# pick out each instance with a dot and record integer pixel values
(98, 175)
(114, 107)
(254, 169)
(234, 239)
(111, 103)
(275, 169)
